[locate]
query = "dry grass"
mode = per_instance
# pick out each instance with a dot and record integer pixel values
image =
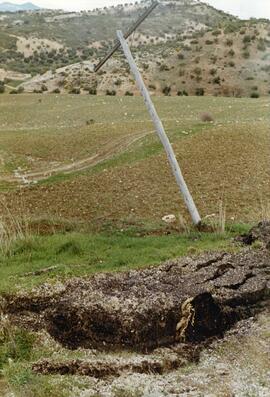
(12, 229)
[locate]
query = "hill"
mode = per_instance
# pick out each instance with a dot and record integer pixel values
(11, 7)
(186, 47)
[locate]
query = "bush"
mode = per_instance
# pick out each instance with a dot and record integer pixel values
(166, 90)
(182, 93)
(206, 117)
(164, 67)
(216, 80)
(246, 54)
(92, 91)
(254, 95)
(199, 92)
(246, 39)
(15, 344)
(261, 46)
(56, 91)
(128, 93)
(229, 42)
(75, 91)
(110, 92)
(2, 87)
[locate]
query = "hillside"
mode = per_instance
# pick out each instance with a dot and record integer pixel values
(185, 47)
(11, 7)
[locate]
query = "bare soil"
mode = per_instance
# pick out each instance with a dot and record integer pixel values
(188, 300)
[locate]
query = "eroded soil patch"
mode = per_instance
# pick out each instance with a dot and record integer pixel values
(187, 300)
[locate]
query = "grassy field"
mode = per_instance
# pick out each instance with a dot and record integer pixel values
(99, 184)
(97, 158)
(103, 182)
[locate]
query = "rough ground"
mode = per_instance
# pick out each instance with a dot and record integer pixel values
(183, 300)
(156, 332)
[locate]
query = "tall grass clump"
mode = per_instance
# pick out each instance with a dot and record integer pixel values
(12, 229)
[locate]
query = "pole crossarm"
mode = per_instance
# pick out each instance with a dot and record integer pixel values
(126, 35)
(161, 132)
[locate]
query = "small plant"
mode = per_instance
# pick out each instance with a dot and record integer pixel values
(255, 95)
(216, 80)
(246, 54)
(229, 42)
(2, 87)
(75, 91)
(128, 93)
(90, 122)
(164, 67)
(92, 91)
(206, 117)
(199, 92)
(246, 39)
(182, 93)
(166, 90)
(15, 344)
(110, 92)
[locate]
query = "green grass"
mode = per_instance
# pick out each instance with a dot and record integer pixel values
(82, 254)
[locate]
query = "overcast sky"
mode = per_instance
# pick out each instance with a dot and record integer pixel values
(241, 8)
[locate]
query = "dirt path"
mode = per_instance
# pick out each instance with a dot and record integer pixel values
(108, 151)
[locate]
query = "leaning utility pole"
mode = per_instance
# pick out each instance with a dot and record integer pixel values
(159, 128)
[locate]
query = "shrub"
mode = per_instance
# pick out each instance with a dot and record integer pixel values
(2, 87)
(199, 92)
(229, 42)
(209, 42)
(15, 344)
(118, 82)
(110, 92)
(261, 46)
(92, 91)
(166, 90)
(246, 54)
(164, 67)
(197, 71)
(206, 117)
(231, 53)
(75, 91)
(56, 91)
(182, 93)
(232, 64)
(128, 93)
(246, 39)
(254, 95)
(216, 80)
(216, 32)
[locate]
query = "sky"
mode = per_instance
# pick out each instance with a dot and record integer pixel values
(242, 8)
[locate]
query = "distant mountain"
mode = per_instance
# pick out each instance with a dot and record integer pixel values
(11, 7)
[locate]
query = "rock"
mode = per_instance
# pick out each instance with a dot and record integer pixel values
(169, 218)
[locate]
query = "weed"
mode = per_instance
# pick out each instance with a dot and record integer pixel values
(206, 117)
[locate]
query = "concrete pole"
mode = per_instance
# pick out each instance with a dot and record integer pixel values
(161, 132)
